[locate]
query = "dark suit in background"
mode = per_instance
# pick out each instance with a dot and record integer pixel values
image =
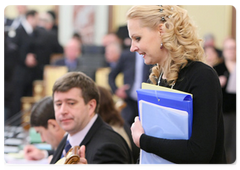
(122, 33)
(40, 43)
(10, 52)
(126, 64)
(23, 76)
(103, 146)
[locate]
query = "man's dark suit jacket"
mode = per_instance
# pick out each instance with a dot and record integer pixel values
(40, 43)
(126, 65)
(103, 146)
(22, 76)
(60, 62)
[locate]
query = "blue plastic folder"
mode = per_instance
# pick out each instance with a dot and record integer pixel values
(164, 114)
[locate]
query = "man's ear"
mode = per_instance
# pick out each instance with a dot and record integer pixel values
(92, 104)
(53, 125)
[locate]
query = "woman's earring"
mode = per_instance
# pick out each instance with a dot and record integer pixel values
(161, 46)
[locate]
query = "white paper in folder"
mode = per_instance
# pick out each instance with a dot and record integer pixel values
(161, 122)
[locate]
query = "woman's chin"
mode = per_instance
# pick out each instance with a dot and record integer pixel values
(147, 62)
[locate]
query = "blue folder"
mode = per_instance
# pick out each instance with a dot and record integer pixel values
(164, 114)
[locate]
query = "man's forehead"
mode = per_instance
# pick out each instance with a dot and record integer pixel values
(72, 94)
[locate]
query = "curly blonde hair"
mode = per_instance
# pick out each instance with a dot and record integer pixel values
(180, 37)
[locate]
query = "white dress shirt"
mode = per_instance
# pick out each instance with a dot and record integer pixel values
(77, 138)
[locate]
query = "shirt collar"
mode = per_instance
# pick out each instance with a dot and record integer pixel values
(28, 28)
(77, 138)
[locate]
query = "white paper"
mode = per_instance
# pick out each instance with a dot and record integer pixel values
(162, 122)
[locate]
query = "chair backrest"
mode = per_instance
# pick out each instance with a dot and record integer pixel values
(89, 63)
(101, 77)
(50, 75)
(56, 56)
(93, 49)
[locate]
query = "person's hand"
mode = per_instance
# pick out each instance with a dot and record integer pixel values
(121, 91)
(223, 80)
(137, 131)
(32, 153)
(30, 60)
(50, 158)
(81, 153)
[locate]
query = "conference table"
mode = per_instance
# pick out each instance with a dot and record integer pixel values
(15, 139)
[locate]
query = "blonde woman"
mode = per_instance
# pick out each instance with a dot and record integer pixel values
(166, 36)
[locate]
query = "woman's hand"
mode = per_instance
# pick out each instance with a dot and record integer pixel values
(137, 131)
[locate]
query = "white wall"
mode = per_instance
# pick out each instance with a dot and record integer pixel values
(215, 19)
(65, 28)
(101, 23)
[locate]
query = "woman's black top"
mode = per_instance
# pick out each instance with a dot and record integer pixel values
(206, 144)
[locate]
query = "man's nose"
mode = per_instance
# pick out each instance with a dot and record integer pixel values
(63, 108)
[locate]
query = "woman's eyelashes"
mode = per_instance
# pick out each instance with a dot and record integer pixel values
(138, 38)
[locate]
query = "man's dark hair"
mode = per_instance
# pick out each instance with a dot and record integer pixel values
(52, 13)
(41, 112)
(31, 13)
(81, 81)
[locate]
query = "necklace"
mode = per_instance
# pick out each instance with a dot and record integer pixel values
(159, 80)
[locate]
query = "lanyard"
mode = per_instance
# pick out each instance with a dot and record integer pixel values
(159, 80)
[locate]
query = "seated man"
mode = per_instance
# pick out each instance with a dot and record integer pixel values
(43, 121)
(75, 60)
(72, 53)
(76, 103)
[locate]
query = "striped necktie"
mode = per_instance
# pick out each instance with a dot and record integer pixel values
(66, 148)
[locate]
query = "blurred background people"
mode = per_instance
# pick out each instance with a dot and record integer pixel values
(77, 37)
(72, 53)
(135, 71)
(43, 121)
(209, 40)
(227, 70)
(16, 22)
(10, 54)
(47, 21)
(25, 70)
(54, 25)
(111, 115)
(212, 58)
(34, 48)
(110, 38)
(112, 53)
(123, 35)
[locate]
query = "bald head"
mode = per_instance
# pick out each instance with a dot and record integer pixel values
(72, 49)
(229, 49)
